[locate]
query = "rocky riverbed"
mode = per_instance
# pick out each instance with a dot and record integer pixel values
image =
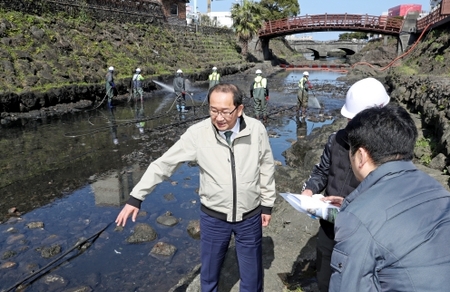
(289, 241)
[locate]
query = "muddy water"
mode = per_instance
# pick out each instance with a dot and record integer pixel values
(71, 175)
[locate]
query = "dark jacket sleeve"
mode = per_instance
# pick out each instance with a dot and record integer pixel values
(318, 178)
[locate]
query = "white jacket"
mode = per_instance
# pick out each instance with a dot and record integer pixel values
(235, 181)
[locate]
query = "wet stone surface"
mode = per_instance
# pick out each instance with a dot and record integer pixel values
(49, 251)
(142, 233)
(167, 219)
(194, 229)
(163, 249)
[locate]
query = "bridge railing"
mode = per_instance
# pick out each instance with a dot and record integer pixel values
(335, 21)
(433, 17)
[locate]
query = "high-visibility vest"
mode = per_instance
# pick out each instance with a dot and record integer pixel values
(302, 83)
(137, 80)
(260, 82)
(214, 76)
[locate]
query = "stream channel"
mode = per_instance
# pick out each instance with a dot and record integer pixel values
(71, 174)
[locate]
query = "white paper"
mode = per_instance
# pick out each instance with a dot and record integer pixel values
(312, 206)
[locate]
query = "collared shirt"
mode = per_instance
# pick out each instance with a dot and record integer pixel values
(235, 130)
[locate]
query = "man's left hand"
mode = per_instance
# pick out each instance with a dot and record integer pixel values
(334, 200)
(265, 219)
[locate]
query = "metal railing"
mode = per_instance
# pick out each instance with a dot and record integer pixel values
(379, 24)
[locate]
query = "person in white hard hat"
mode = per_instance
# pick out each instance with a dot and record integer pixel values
(302, 95)
(179, 86)
(333, 174)
(259, 91)
(110, 85)
(137, 85)
(214, 77)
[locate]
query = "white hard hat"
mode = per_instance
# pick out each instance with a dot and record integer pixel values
(111, 68)
(365, 93)
(214, 68)
(138, 70)
(179, 71)
(258, 71)
(306, 73)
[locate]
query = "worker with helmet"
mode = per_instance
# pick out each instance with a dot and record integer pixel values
(259, 91)
(179, 86)
(302, 95)
(334, 175)
(137, 85)
(214, 77)
(110, 85)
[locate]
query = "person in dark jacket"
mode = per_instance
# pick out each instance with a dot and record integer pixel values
(392, 231)
(109, 78)
(333, 174)
(179, 86)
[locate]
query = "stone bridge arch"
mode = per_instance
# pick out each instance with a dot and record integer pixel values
(384, 25)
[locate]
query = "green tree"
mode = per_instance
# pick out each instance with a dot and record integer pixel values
(206, 20)
(279, 9)
(247, 20)
(353, 35)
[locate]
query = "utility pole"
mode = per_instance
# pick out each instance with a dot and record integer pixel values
(208, 6)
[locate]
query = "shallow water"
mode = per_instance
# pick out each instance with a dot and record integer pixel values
(43, 160)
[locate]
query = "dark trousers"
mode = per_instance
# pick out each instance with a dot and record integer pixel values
(215, 237)
(260, 106)
(324, 249)
(181, 99)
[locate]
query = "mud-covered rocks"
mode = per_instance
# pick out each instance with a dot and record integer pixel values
(163, 249)
(49, 251)
(167, 219)
(142, 232)
(193, 229)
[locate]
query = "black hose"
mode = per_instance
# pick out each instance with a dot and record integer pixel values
(41, 272)
(129, 122)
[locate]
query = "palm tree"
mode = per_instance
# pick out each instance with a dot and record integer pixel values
(247, 20)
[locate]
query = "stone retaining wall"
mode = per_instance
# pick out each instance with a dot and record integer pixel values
(428, 96)
(103, 10)
(44, 64)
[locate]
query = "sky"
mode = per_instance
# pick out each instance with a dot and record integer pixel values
(371, 7)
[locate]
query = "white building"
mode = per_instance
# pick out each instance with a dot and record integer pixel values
(221, 18)
(299, 37)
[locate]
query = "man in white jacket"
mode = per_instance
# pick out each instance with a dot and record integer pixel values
(237, 186)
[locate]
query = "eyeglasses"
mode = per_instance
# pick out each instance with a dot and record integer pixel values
(226, 114)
